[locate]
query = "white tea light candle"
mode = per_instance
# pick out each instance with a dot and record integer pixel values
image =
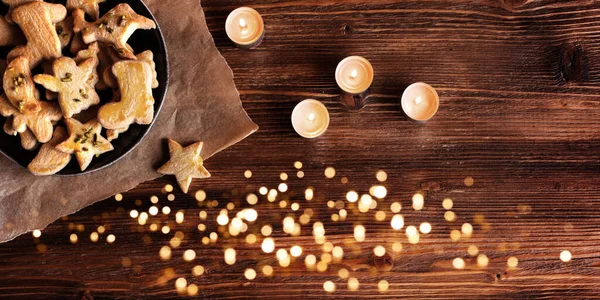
(245, 27)
(310, 118)
(354, 74)
(420, 101)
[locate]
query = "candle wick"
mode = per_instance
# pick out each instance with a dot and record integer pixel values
(311, 118)
(418, 100)
(243, 24)
(353, 74)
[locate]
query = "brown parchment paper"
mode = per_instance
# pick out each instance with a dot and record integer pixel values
(202, 104)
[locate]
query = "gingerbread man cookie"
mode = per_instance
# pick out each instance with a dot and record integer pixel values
(137, 102)
(40, 123)
(49, 160)
(74, 84)
(114, 28)
(37, 20)
(19, 87)
(185, 163)
(85, 141)
(90, 7)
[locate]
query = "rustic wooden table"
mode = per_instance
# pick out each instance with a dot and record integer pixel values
(519, 115)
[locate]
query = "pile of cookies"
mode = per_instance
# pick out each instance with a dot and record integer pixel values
(67, 87)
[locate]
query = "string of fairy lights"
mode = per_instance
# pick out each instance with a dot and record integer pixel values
(241, 221)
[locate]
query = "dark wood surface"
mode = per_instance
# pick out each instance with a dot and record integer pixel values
(519, 114)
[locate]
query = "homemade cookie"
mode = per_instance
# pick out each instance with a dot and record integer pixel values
(91, 52)
(90, 7)
(148, 56)
(114, 28)
(37, 20)
(64, 30)
(49, 160)
(77, 43)
(10, 35)
(12, 4)
(74, 84)
(85, 141)
(185, 164)
(19, 87)
(137, 103)
(28, 140)
(40, 123)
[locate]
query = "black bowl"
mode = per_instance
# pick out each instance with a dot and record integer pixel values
(141, 40)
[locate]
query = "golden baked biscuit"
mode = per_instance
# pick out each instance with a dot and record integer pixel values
(12, 4)
(10, 35)
(74, 84)
(185, 163)
(37, 20)
(40, 123)
(137, 102)
(85, 140)
(64, 30)
(114, 28)
(28, 140)
(19, 87)
(49, 160)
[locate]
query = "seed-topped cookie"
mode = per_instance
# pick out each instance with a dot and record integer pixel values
(37, 20)
(74, 84)
(114, 28)
(137, 102)
(19, 87)
(85, 141)
(40, 123)
(90, 7)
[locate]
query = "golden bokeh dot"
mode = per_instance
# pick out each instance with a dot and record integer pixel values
(37, 233)
(153, 210)
(198, 270)
(330, 204)
(229, 256)
(310, 261)
(251, 239)
(344, 180)
(379, 251)
(380, 216)
(266, 230)
(189, 255)
(168, 188)
(263, 190)
(268, 245)
(252, 199)
(328, 247)
(458, 263)
(111, 238)
(329, 286)
(179, 217)
(250, 274)
(383, 285)
(482, 260)
(565, 256)
(203, 215)
(166, 210)
(101, 229)
(469, 181)
(411, 230)
(282, 204)
(126, 262)
(300, 174)
(449, 216)
(397, 247)
(353, 284)
(425, 228)
(272, 196)
(329, 172)
(296, 251)
(418, 201)
(222, 219)
(165, 229)
(205, 240)
(267, 270)
(165, 253)
(118, 197)
(322, 266)
(181, 284)
(192, 290)
(298, 165)
(343, 273)
(512, 262)
(250, 215)
(171, 197)
(200, 195)
(467, 229)
(248, 174)
(352, 196)
(283, 176)
(359, 233)
(397, 222)
(455, 235)
(73, 238)
(138, 202)
(134, 213)
(295, 206)
(230, 206)
(337, 253)
(447, 204)
(41, 248)
(378, 191)
(309, 193)
(94, 236)
(396, 207)
(154, 199)
(473, 250)
(381, 176)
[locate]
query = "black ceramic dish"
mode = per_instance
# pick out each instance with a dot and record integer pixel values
(141, 40)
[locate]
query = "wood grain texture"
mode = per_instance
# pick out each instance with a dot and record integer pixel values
(519, 113)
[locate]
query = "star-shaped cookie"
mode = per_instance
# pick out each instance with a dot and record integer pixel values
(85, 141)
(90, 7)
(74, 84)
(185, 164)
(40, 123)
(114, 28)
